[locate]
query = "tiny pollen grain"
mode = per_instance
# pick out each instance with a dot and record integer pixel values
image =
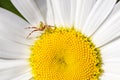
(65, 54)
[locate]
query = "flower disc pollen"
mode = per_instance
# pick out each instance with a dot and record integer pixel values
(65, 54)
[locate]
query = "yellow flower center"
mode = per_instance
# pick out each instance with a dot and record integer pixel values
(65, 54)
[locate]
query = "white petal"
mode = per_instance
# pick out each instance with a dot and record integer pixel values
(57, 12)
(110, 76)
(115, 9)
(13, 27)
(29, 10)
(111, 65)
(25, 76)
(111, 51)
(73, 11)
(12, 50)
(111, 58)
(108, 32)
(50, 16)
(46, 11)
(97, 15)
(10, 73)
(83, 9)
(42, 5)
(65, 9)
(6, 64)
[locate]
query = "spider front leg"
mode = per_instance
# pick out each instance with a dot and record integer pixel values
(36, 29)
(31, 33)
(41, 27)
(31, 28)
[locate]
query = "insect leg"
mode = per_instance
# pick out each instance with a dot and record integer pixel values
(31, 33)
(31, 28)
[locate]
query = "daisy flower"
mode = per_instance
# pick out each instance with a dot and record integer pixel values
(60, 40)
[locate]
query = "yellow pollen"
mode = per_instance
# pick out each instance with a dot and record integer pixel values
(65, 54)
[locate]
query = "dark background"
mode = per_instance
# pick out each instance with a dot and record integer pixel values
(8, 5)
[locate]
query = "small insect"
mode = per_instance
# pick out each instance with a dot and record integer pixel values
(41, 27)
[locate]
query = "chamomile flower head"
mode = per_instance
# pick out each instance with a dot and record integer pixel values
(61, 40)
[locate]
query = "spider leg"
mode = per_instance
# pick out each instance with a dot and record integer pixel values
(31, 28)
(31, 33)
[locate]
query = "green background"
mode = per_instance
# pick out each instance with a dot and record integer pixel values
(8, 5)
